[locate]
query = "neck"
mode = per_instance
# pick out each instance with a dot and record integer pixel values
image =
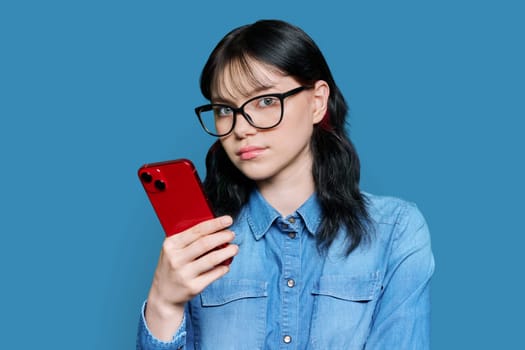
(287, 193)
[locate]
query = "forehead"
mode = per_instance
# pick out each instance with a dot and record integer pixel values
(244, 77)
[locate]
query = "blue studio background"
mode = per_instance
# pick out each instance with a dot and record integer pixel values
(90, 90)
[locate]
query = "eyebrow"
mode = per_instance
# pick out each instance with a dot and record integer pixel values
(253, 93)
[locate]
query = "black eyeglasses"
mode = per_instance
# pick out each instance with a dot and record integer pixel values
(262, 112)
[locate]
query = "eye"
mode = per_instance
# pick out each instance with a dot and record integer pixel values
(267, 101)
(223, 111)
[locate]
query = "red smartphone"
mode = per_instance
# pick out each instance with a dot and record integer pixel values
(176, 194)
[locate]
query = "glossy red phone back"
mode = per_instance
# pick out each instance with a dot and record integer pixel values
(175, 192)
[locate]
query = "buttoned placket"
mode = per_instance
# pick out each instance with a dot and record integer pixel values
(291, 255)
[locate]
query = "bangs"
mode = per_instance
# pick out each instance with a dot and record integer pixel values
(241, 76)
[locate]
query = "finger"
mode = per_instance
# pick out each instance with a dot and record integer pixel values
(212, 275)
(205, 244)
(188, 254)
(187, 237)
(213, 258)
(199, 283)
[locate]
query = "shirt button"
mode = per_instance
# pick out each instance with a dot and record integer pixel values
(291, 220)
(287, 339)
(290, 283)
(291, 235)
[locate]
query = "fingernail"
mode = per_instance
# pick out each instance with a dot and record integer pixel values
(227, 220)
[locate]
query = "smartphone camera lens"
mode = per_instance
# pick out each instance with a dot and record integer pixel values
(160, 185)
(146, 177)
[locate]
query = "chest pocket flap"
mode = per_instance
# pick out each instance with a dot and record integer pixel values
(225, 291)
(354, 288)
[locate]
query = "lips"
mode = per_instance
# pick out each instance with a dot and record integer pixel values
(250, 152)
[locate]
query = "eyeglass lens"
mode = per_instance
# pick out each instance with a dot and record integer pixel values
(261, 112)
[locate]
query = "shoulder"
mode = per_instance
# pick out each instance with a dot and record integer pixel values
(397, 233)
(399, 217)
(388, 210)
(402, 224)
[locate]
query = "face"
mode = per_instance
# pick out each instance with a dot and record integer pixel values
(283, 152)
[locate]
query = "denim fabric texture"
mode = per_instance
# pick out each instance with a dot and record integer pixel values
(283, 293)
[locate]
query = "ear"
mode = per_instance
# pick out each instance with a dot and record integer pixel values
(320, 94)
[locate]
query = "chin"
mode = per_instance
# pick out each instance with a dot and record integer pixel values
(254, 172)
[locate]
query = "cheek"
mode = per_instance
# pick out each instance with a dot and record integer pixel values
(227, 144)
(297, 125)
(291, 140)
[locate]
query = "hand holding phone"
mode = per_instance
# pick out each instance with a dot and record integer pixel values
(175, 192)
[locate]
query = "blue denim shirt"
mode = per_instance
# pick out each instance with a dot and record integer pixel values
(282, 293)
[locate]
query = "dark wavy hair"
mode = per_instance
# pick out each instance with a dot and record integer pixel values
(336, 168)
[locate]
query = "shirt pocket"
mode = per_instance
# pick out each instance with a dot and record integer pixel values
(343, 310)
(225, 291)
(227, 306)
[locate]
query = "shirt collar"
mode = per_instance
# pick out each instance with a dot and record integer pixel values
(311, 214)
(261, 214)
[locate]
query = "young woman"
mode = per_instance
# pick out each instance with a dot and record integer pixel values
(318, 264)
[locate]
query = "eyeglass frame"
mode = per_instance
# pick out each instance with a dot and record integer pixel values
(240, 110)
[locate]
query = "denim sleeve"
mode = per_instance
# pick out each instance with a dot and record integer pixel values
(146, 340)
(402, 318)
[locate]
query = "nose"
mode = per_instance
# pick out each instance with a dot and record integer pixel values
(242, 127)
